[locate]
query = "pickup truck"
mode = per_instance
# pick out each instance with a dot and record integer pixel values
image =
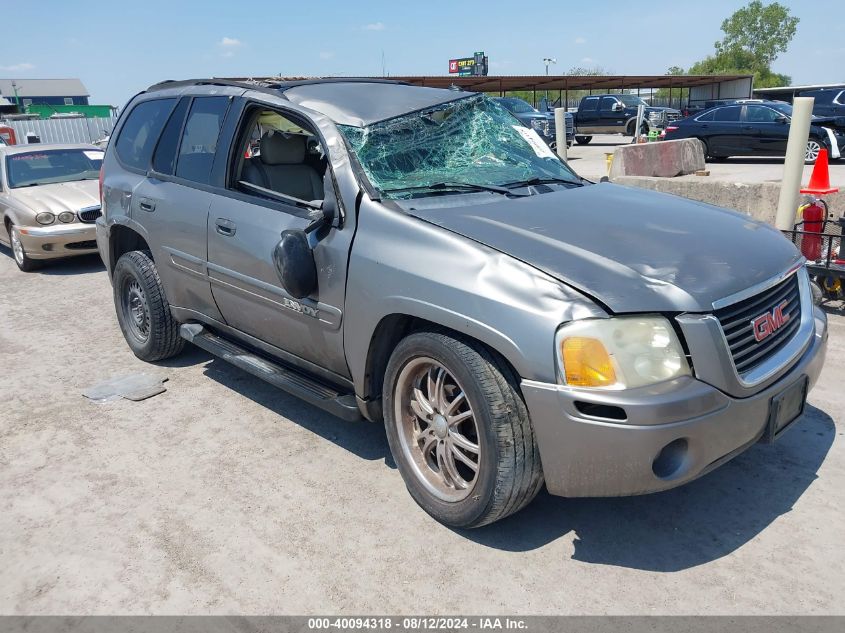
(617, 114)
(541, 122)
(413, 257)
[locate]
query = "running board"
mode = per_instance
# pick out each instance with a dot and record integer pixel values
(343, 405)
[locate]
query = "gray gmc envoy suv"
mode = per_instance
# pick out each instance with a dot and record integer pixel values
(417, 256)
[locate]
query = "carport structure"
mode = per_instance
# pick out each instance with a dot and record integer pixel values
(671, 87)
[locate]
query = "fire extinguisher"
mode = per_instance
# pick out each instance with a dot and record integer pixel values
(811, 240)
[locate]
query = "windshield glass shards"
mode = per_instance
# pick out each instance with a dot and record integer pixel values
(474, 141)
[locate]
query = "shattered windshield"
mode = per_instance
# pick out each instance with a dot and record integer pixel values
(474, 141)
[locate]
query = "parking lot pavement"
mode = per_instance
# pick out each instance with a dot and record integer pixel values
(590, 162)
(223, 495)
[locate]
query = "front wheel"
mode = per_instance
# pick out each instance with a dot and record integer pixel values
(24, 261)
(459, 430)
(142, 309)
(583, 140)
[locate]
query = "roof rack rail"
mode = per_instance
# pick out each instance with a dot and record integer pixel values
(246, 84)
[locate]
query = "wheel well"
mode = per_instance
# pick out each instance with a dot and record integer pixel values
(122, 240)
(392, 329)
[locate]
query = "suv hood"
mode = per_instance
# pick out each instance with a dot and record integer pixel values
(631, 249)
(60, 196)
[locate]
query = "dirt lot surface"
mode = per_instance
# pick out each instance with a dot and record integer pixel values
(223, 495)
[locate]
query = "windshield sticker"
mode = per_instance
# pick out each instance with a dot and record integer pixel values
(533, 139)
(92, 155)
(27, 156)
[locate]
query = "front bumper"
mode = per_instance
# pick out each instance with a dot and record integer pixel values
(58, 240)
(586, 456)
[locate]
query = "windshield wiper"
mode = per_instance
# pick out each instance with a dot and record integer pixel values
(541, 181)
(457, 186)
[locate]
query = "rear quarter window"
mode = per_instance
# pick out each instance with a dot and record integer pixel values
(138, 136)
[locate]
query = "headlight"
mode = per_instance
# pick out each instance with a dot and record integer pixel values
(619, 353)
(45, 217)
(540, 125)
(67, 216)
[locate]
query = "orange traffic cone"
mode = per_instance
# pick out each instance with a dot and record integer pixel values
(820, 178)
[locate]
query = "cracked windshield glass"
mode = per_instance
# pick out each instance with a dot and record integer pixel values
(473, 141)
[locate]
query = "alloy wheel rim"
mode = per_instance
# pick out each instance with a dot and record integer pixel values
(437, 429)
(812, 151)
(136, 310)
(17, 247)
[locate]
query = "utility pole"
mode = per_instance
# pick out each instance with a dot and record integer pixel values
(548, 61)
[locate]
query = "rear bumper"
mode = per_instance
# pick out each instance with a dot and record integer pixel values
(591, 457)
(58, 240)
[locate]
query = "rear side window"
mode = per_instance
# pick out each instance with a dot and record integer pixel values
(590, 105)
(199, 141)
(165, 155)
(727, 114)
(139, 134)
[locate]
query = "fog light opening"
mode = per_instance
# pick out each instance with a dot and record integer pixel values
(670, 461)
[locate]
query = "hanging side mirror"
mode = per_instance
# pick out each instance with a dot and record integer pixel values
(295, 265)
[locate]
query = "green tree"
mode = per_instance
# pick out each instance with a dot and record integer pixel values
(758, 33)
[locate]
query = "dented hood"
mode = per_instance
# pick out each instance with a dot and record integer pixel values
(632, 249)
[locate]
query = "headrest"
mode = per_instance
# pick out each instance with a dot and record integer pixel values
(278, 148)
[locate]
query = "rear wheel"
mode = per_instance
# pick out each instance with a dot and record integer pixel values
(459, 430)
(142, 309)
(811, 152)
(24, 261)
(583, 140)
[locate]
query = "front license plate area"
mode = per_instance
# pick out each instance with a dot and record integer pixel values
(786, 408)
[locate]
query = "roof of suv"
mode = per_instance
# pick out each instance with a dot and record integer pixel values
(346, 100)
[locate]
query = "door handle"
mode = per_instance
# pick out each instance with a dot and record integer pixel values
(147, 205)
(225, 227)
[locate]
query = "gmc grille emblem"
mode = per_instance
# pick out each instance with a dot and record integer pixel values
(770, 322)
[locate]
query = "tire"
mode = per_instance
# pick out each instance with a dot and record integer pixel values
(583, 140)
(24, 261)
(707, 154)
(811, 152)
(142, 308)
(480, 392)
(629, 129)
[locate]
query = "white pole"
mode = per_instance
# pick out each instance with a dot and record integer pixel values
(793, 164)
(560, 132)
(639, 123)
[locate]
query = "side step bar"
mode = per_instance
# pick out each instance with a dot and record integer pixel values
(343, 405)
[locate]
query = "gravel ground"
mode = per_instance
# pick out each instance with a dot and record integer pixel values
(223, 495)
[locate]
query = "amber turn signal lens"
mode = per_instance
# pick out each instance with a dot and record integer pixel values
(586, 363)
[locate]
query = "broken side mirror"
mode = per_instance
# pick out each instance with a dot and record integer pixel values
(294, 262)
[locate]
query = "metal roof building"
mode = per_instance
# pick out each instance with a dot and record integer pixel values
(44, 91)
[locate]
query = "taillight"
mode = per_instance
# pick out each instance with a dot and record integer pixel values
(101, 185)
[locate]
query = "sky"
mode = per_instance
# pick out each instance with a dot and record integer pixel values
(119, 48)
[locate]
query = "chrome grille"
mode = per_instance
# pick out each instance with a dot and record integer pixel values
(89, 215)
(736, 321)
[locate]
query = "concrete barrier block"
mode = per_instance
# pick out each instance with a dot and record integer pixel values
(664, 159)
(759, 199)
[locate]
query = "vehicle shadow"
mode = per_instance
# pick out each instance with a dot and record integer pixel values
(364, 439)
(684, 527)
(80, 265)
